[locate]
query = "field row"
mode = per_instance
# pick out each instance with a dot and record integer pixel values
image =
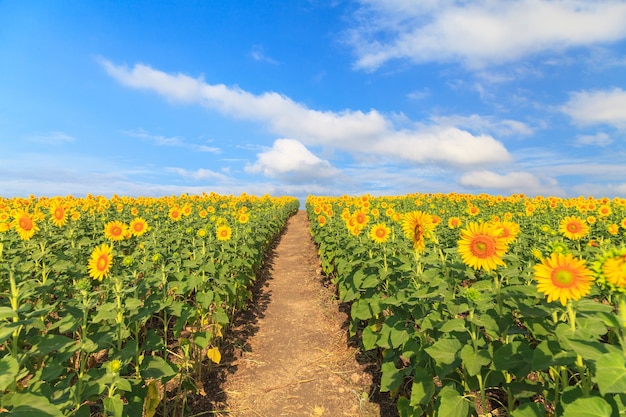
(117, 306)
(484, 305)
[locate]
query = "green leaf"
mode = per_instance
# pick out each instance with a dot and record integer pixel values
(588, 407)
(529, 410)
(7, 312)
(550, 353)
(391, 378)
(452, 404)
(474, 360)
(113, 406)
(454, 325)
(423, 387)
(31, 405)
(369, 338)
(360, 310)
(444, 351)
(9, 369)
(156, 367)
(611, 373)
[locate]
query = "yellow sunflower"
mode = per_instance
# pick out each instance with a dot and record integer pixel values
(481, 247)
(612, 268)
(418, 226)
(224, 232)
(115, 230)
(380, 232)
(24, 224)
(563, 277)
(138, 226)
(175, 213)
(58, 215)
(100, 262)
(508, 231)
(243, 218)
(454, 222)
(573, 227)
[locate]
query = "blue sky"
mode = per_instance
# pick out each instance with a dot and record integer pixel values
(313, 97)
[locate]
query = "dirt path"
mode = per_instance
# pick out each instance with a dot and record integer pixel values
(291, 356)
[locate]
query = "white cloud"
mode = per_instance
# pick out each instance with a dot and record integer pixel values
(512, 182)
(477, 123)
(200, 174)
(353, 131)
(170, 141)
(597, 107)
(482, 32)
(291, 161)
(52, 138)
(258, 54)
(599, 139)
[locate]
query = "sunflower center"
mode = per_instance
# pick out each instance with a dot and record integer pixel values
(483, 246)
(26, 223)
(116, 230)
(138, 227)
(563, 278)
(380, 232)
(103, 262)
(573, 228)
(419, 232)
(59, 213)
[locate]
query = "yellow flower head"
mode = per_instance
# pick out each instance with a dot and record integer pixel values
(563, 277)
(380, 232)
(224, 232)
(100, 262)
(481, 247)
(573, 227)
(24, 224)
(115, 230)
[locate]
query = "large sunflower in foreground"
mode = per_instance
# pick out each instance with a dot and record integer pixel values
(563, 277)
(573, 227)
(417, 226)
(380, 232)
(100, 262)
(24, 224)
(115, 230)
(480, 246)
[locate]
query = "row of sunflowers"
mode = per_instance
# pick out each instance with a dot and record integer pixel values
(116, 306)
(484, 305)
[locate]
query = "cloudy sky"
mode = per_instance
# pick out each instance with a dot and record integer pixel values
(313, 97)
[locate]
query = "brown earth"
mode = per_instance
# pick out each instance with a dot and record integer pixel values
(289, 353)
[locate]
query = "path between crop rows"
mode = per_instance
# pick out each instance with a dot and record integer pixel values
(294, 358)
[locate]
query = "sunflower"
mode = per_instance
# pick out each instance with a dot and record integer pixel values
(417, 226)
(611, 268)
(508, 231)
(380, 232)
(481, 247)
(613, 229)
(115, 230)
(604, 211)
(224, 232)
(454, 222)
(24, 224)
(100, 262)
(138, 226)
(175, 213)
(58, 215)
(563, 277)
(321, 220)
(243, 218)
(573, 227)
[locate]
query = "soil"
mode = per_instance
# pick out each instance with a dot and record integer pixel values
(289, 354)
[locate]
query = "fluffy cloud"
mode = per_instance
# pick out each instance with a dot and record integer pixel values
(292, 162)
(513, 182)
(352, 131)
(597, 107)
(481, 32)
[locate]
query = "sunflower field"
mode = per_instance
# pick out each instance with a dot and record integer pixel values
(117, 306)
(484, 305)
